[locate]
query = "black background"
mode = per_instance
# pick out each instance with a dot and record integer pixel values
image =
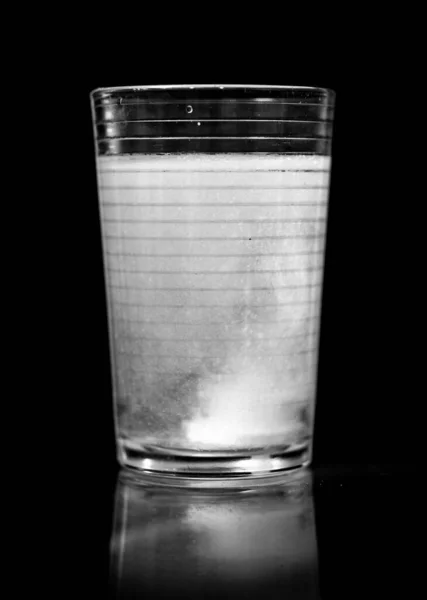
(369, 383)
(370, 371)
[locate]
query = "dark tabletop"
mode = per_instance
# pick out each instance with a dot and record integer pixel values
(332, 532)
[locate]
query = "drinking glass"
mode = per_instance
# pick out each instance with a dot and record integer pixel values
(213, 210)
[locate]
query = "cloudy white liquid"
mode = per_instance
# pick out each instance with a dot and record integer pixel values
(214, 272)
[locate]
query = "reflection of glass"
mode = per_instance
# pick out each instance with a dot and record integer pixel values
(197, 544)
(213, 204)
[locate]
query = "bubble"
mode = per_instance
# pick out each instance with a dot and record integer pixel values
(189, 108)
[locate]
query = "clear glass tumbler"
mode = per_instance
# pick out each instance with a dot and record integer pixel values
(213, 207)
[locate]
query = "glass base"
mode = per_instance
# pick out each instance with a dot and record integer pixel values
(212, 469)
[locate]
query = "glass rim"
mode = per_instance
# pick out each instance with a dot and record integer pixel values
(212, 118)
(212, 86)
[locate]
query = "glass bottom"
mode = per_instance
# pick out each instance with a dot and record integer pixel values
(202, 469)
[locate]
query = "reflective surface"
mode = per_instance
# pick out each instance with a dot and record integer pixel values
(258, 542)
(337, 532)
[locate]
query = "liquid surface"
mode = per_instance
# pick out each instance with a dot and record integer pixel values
(214, 272)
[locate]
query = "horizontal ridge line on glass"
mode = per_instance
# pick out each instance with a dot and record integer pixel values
(212, 239)
(191, 221)
(216, 187)
(197, 272)
(204, 120)
(210, 306)
(210, 254)
(186, 171)
(212, 323)
(210, 137)
(270, 102)
(220, 288)
(217, 339)
(321, 203)
(187, 356)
